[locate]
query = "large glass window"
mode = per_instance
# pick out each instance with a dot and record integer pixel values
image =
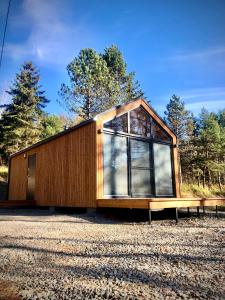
(115, 165)
(158, 133)
(137, 157)
(118, 124)
(140, 168)
(140, 122)
(163, 170)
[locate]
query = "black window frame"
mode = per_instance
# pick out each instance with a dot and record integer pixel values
(137, 135)
(150, 141)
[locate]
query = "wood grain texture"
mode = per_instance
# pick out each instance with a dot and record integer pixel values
(159, 203)
(65, 170)
(18, 178)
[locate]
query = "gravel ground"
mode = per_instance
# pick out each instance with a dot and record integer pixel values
(45, 256)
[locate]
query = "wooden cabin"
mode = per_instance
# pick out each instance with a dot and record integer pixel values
(121, 158)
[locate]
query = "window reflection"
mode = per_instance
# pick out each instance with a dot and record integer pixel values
(159, 133)
(141, 124)
(118, 124)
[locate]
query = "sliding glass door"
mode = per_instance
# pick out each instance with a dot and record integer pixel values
(136, 168)
(140, 166)
(115, 165)
(163, 170)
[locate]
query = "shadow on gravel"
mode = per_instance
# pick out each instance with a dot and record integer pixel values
(105, 216)
(154, 279)
(170, 257)
(73, 242)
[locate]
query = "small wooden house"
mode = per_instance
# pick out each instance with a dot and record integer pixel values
(120, 158)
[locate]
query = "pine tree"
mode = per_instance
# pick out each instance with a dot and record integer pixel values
(52, 124)
(129, 88)
(20, 124)
(97, 82)
(178, 118)
(211, 148)
(182, 123)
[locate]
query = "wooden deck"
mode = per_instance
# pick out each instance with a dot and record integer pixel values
(160, 203)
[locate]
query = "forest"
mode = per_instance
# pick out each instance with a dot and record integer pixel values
(99, 81)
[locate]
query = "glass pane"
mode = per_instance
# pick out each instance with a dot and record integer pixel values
(140, 122)
(159, 133)
(141, 183)
(115, 165)
(139, 154)
(163, 171)
(118, 124)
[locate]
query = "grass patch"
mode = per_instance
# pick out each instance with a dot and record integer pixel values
(3, 182)
(193, 190)
(3, 173)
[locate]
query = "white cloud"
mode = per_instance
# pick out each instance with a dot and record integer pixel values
(199, 55)
(4, 96)
(213, 99)
(206, 93)
(214, 105)
(51, 39)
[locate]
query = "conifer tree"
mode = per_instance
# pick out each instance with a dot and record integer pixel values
(20, 124)
(97, 82)
(182, 123)
(211, 148)
(178, 118)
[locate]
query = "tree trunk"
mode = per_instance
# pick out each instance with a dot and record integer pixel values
(219, 181)
(204, 178)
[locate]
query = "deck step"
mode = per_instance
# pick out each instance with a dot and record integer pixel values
(16, 203)
(160, 203)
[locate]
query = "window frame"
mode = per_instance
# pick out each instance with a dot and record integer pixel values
(137, 135)
(152, 171)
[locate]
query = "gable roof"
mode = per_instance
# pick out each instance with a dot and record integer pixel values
(107, 116)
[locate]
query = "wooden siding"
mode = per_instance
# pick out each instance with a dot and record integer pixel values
(65, 170)
(18, 178)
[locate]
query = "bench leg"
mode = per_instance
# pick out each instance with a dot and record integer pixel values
(188, 210)
(217, 211)
(198, 214)
(203, 209)
(176, 212)
(150, 216)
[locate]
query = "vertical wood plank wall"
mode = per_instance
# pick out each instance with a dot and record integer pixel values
(18, 178)
(65, 170)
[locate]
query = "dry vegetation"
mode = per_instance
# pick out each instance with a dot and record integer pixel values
(194, 190)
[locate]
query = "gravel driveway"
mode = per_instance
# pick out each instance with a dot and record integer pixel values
(60, 256)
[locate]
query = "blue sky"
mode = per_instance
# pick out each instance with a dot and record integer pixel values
(174, 46)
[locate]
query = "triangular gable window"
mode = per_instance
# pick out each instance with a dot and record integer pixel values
(158, 133)
(118, 124)
(138, 122)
